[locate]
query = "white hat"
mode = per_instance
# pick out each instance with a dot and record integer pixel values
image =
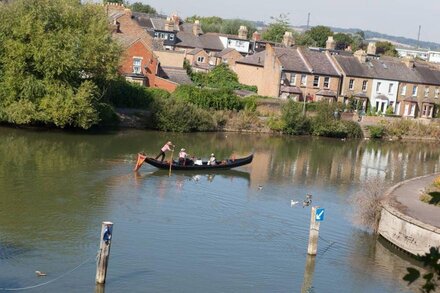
(182, 150)
(212, 155)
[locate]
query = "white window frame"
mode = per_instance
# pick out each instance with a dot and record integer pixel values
(427, 91)
(316, 82)
(414, 91)
(437, 92)
(378, 87)
(201, 59)
(292, 79)
(171, 37)
(303, 79)
(390, 88)
(351, 84)
(327, 82)
(364, 85)
(403, 92)
(137, 65)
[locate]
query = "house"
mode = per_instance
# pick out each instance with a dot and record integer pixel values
(227, 56)
(143, 56)
(292, 72)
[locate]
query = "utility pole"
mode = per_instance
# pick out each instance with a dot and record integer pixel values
(418, 37)
(308, 20)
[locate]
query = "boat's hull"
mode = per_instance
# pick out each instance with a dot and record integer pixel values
(227, 165)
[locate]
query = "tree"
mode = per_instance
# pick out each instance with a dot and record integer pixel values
(342, 41)
(386, 48)
(209, 24)
(231, 26)
(431, 261)
(275, 31)
(319, 34)
(56, 58)
(140, 7)
(114, 1)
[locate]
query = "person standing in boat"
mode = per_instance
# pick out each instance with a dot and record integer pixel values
(182, 157)
(212, 160)
(166, 147)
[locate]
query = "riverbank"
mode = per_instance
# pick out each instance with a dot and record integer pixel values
(406, 221)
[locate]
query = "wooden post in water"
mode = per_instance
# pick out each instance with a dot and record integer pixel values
(314, 233)
(104, 251)
(308, 273)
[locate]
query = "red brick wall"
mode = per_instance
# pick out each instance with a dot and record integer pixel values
(164, 84)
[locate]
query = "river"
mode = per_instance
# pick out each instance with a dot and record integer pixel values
(232, 231)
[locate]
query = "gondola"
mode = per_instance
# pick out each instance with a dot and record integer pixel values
(221, 165)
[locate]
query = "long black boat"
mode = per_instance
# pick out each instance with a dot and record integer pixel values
(227, 164)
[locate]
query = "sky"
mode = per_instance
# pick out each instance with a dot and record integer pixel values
(393, 17)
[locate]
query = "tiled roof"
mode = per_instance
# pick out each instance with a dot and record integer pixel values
(224, 52)
(290, 89)
(326, 93)
(296, 59)
(207, 41)
(195, 51)
(361, 95)
(177, 75)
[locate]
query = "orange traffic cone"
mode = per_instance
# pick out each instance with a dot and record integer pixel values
(140, 160)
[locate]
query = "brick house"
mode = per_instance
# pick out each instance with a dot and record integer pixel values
(294, 72)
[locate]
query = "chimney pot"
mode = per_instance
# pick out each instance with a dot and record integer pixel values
(330, 44)
(361, 56)
(371, 49)
(288, 39)
(196, 28)
(256, 36)
(242, 32)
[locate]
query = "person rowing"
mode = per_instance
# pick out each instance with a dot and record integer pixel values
(166, 147)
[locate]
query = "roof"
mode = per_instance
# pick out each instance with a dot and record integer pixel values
(207, 41)
(174, 74)
(195, 51)
(410, 99)
(382, 97)
(430, 101)
(224, 52)
(361, 95)
(290, 89)
(297, 59)
(326, 93)
(388, 69)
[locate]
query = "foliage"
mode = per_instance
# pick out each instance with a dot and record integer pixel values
(250, 103)
(221, 77)
(218, 99)
(276, 29)
(319, 34)
(294, 120)
(342, 41)
(437, 182)
(432, 197)
(56, 57)
(122, 93)
(216, 24)
(114, 1)
(431, 261)
(389, 110)
(376, 131)
(403, 127)
(180, 116)
(276, 123)
(140, 7)
(386, 48)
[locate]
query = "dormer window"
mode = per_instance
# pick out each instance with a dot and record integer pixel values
(200, 59)
(171, 37)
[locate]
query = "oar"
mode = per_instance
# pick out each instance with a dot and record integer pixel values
(140, 160)
(171, 162)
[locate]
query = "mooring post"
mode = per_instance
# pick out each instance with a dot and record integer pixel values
(314, 233)
(308, 273)
(104, 251)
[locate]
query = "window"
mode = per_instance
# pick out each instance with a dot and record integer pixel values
(201, 59)
(351, 84)
(437, 91)
(426, 91)
(414, 92)
(427, 111)
(390, 88)
(303, 79)
(326, 82)
(315, 81)
(162, 36)
(364, 85)
(137, 63)
(403, 92)
(283, 77)
(171, 37)
(378, 87)
(292, 79)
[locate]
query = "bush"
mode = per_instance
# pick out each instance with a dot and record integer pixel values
(294, 120)
(217, 99)
(376, 131)
(276, 124)
(124, 94)
(250, 103)
(180, 116)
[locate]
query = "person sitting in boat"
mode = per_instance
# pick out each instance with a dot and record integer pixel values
(212, 160)
(182, 156)
(166, 147)
(198, 162)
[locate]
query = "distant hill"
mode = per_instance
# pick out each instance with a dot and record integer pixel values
(399, 41)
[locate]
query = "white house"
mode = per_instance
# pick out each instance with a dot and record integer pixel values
(384, 94)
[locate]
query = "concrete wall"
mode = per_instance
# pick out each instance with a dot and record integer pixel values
(407, 233)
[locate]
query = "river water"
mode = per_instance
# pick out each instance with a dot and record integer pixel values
(232, 231)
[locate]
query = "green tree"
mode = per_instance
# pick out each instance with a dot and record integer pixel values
(386, 48)
(209, 24)
(140, 7)
(231, 26)
(342, 41)
(275, 31)
(431, 261)
(56, 59)
(319, 34)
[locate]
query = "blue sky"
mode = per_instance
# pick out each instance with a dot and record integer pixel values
(400, 18)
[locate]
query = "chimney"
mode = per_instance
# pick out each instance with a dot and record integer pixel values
(242, 32)
(371, 49)
(348, 49)
(288, 39)
(361, 56)
(409, 61)
(256, 36)
(330, 44)
(168, 24)
(176, 21)
(197, 30)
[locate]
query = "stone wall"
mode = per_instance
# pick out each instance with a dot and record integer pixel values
(407, 233)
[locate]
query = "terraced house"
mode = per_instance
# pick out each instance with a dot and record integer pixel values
(294, 72)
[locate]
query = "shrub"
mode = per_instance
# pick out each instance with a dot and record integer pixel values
(250, 103)
(376, 131)
(389, 111)
(276, 124)
(179, 116)
(294, 120)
